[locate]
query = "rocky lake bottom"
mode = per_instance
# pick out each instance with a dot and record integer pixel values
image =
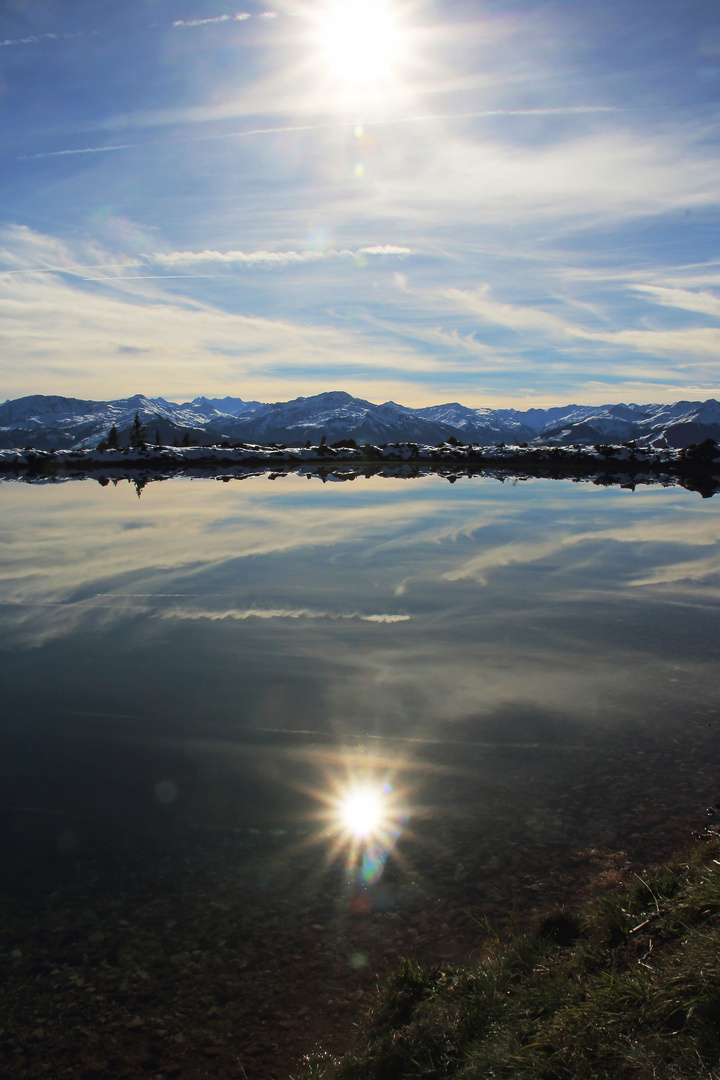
(218, 952)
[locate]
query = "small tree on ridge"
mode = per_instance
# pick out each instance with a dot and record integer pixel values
(137, 433)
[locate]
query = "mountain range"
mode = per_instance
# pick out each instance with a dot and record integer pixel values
(51, 422)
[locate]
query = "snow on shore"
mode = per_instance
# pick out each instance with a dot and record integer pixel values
(176, 457)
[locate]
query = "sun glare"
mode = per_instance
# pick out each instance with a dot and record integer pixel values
(361, 40)
(364, 814)
(361, 812)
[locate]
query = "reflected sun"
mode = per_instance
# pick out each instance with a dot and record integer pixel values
(361, 812)
(363, 817)
(361, 41)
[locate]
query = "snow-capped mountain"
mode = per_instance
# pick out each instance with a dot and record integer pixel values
(336, 415)
(228, 406)
(485, 426)
(52, 422)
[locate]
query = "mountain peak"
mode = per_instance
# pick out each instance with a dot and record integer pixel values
(52, 421)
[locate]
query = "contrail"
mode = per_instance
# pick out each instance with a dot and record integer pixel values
(561, 110)
(84, 150)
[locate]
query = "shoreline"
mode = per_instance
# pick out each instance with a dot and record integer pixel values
(622, 983)
(695, 467)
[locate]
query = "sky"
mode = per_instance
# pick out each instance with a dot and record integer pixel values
(502, 203)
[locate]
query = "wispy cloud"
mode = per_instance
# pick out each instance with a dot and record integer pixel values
(271, 258)
(28, 243)
(528, 153)
(64, 331)
(271, 100)
(25, 251)
(614, 174)
(52, 323)
(31, 40)
(511, 316)
(34, 39)
(240, 16)
(202, 22)
(221, 112)
(704, 303)
(453, 340)
(698, 341)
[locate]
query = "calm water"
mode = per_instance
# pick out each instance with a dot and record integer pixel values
(193, 680)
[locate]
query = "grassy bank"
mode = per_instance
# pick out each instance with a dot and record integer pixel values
(628, 987)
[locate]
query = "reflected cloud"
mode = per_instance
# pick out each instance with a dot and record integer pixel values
(477, 568)
(281, 613)
(699, 570)
(254, 635)
(302, 584)
(409, 537)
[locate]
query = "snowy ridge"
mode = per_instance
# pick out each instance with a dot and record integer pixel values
(149, 457)
(696, 468)
(52, 422)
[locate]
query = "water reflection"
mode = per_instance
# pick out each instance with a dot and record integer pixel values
(404, 614)
(196, 683)
(366, 816)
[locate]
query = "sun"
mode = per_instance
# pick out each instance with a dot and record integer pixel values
(361, 41)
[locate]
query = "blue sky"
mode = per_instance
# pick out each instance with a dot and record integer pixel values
(501, 203)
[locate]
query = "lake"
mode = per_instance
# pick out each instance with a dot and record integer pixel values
(260, 737)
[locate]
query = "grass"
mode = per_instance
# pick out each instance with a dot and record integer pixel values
(627, 987)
